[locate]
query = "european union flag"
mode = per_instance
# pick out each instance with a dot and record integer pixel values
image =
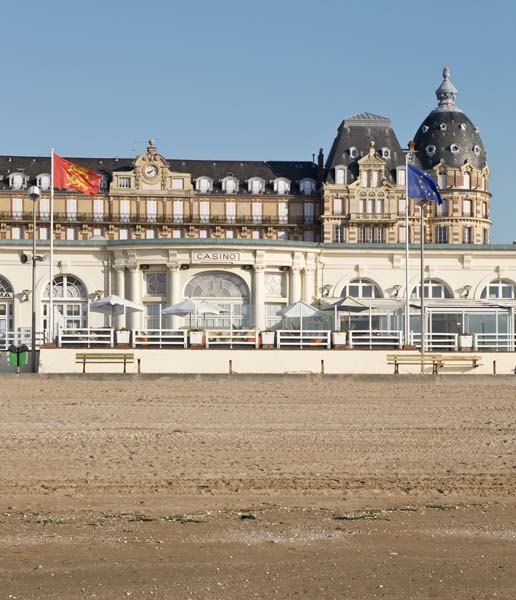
(422, 186)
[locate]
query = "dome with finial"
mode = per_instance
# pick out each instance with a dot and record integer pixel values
(447, 134)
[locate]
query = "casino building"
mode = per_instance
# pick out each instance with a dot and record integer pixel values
(253, 237)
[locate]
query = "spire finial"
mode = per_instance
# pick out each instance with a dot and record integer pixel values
(446, 92)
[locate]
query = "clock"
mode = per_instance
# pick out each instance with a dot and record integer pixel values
(151, 171)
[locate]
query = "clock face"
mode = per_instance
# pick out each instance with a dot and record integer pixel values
(151, 171)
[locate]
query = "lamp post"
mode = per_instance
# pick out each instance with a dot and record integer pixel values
(34, 195)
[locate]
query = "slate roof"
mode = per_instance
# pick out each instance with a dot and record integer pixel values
(216, 169)
(359, 131)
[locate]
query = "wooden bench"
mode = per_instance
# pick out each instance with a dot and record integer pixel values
(437, 361)
(103, 358)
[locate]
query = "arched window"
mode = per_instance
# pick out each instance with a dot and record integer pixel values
(361, 288)
(67, 286)
(433, 289)
(225, 291)
(500, 288)
(5, 286)
(6, 308)
(467, 180)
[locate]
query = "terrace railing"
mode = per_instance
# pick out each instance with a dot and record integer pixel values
(17, 338)
(233, 337)
(384, 338)
(309, 338)
(436, 341)
(494, 342)
(160, 338)
(85, 336)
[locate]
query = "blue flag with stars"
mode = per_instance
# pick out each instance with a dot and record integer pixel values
(421, 186)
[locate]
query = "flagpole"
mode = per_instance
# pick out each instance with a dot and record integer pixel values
(407, 300)
(422, 291)
(51, 286)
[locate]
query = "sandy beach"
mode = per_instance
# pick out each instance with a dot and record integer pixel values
(271, 487)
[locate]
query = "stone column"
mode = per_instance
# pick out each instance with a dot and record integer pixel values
(121, 320)
(259, 296)
(136, 296)
(295, 285)
(308, 287)
(174, 293)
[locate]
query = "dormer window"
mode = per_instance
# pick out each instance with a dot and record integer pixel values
(353, 152)
(307, 186)
(425, 128)
(443, 126)
(341, 174)
(430, 150)
(229, 184)
(18, 181)
(400, 176)
(386, 153)
(281, 185)
(463, 126)
(256, 185)
(43, 182)
(476, 150)
(454, 148)
(203, 185)
(104, 183)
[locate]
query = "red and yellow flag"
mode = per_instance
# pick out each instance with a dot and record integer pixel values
(69, 176)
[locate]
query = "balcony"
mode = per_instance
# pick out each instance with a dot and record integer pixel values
(372, 217)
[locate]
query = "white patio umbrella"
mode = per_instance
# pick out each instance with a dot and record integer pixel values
(298, 310)
(190, 307)
(115, 305)
(347, 304)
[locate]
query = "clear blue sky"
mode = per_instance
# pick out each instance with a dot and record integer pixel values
(267, 80)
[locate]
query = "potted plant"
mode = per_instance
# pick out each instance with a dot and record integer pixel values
(465, 342)
(197, 338)
(123, 336)
(267, 338)
(339, 339)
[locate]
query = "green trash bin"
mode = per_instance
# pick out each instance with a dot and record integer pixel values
(18, 356)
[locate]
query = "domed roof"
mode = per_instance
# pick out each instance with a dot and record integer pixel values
(447, 134)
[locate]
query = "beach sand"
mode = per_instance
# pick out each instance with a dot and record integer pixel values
(257, 487)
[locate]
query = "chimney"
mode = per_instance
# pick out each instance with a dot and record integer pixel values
(320, 166)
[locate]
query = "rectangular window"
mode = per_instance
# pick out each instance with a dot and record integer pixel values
(176, 233)
(70, 233)
(337, 206)
(98, 209)
(485, 212)
(309, 213)
(338, 234)
(442, 209)
(256, 235)
(177, 208)
(230, 212)
(282, 235)
(466, 208)
(363, 232)
(203, 233)
(402, 234)
(44, 208)
(152, 211)
(400, 173)
(43, 233)
(150, 234)
(156, 283)
(204, 211)
(468, 235)
(152, 316)
(272, 318)
(124, 182)
(340, 176)
(308, 236)
(97, 231)
(15, 233)
(257, 212)
(379, 206)
(230, 234)
(485, 236)
(370, 205)
(402, 206)
(375, 179)
(17, 208)
(71, 209)
(125, 210)
(123, 234)
(442, 235)
(364, 177)
(363, 205)
(178, 183)
(282, 212)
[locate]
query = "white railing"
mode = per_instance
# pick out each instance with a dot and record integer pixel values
(17, 338)
(375, 338)
(233, 337)
(160, 338)
(310, 338)
(85, 336)
(436, 341)
(494, 342)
